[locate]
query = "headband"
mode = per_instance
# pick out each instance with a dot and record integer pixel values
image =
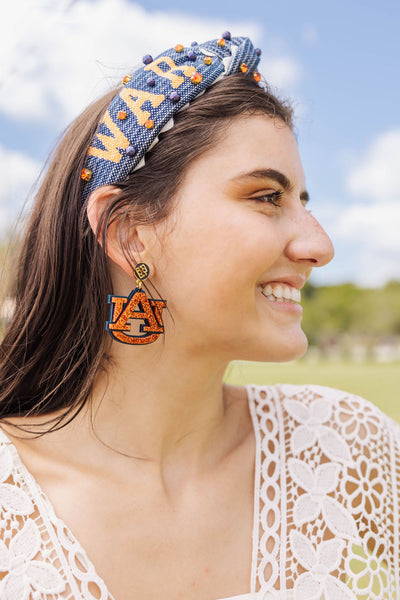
(151, 96)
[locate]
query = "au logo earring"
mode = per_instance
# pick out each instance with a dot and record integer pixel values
(136, 306)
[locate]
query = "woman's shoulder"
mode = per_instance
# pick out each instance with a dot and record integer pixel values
(329, 464)
(316, 407)
(33, 543)
(15, 493)
(8, 454)
(318, 399)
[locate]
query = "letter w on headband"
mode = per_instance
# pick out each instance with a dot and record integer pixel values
(113, 144)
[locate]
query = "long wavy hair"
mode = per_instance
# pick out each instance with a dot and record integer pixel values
(56, 343)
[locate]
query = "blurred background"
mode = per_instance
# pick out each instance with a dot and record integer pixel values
(339, 65)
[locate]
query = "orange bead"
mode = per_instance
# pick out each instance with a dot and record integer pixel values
(221, 42)
(244, 68)
(207, 60)
(149, 124)
(121, 115)
(257, 76)
(196, 77)
(179, 48)
(126, 79)
(86, 174)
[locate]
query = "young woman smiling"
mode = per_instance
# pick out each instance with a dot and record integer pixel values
(129, 470)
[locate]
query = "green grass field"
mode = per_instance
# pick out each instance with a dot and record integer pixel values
(378, 382)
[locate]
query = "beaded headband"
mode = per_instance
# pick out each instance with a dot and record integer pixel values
(151, 96)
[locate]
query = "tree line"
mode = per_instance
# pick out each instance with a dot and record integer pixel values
(334, 311)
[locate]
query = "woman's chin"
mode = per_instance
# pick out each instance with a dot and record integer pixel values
(283, 349)
(295, 348)
(294, 353)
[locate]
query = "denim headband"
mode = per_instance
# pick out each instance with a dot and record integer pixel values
(151, 96)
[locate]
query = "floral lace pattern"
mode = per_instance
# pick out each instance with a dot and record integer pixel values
(39, 557)
(326, 508)
(334, 460)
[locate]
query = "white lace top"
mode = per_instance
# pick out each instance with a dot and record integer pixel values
(326, 508)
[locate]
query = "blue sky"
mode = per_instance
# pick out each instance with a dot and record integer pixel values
(338, 62)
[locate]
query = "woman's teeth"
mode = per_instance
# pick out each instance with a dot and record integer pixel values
(281, 293)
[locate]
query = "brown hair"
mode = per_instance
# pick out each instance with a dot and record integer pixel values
(56, 343)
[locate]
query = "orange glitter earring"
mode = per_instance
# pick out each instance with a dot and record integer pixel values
(136, 306)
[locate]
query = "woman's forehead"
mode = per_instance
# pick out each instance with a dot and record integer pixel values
(249, 145)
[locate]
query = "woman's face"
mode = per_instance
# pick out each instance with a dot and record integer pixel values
(241, 238)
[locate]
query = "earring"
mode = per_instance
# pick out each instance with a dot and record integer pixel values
(136, 306)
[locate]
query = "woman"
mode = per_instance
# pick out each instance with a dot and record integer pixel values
(174, 483)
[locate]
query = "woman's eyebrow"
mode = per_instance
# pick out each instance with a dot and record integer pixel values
(283, 181)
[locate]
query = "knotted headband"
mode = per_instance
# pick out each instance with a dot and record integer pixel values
(151, 96)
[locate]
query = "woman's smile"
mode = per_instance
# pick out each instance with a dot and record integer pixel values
(283, 297)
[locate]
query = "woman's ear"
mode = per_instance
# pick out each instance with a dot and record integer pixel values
(98, 201)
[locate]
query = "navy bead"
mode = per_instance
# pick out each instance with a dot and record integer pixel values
(175, 97)
(147, 59)
(151, 82)
(226, 35)
(191, 55)
(258, 51)
(131, 150)
(194, 44)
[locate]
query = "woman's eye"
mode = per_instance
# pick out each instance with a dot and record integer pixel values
(272, 198)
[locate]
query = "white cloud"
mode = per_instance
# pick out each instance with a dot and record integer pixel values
(377, 175)
(282, 72)
(58, 56)
(375, 225)
(18, 173)
(367, 230)
(374, 231)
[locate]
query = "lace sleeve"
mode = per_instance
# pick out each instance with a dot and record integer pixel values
(339, 460)
(39, 557)
(26, 568)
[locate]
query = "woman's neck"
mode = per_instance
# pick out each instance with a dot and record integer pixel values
(166, 409)
(148, 410)
(163, 415)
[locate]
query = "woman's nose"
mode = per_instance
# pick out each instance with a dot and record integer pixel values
(309, 242)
